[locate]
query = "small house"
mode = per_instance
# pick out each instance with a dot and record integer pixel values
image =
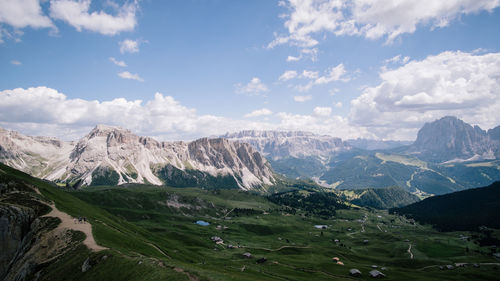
(376, 274)
(355, 272)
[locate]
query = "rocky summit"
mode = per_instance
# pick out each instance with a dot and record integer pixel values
(451, 139)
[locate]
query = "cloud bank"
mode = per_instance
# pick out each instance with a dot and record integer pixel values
(306, 20)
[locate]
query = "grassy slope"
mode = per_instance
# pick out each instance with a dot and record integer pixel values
(129, 220)
(129, 243)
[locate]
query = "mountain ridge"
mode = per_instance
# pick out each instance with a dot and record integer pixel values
(117, 152)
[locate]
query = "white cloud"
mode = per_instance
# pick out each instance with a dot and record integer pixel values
(129, 46)
(338, 104)
(128, 75)
(333, 125)
(45, 111)
(254, 87)
(372, 19)
(15, 62)
(450, 83)
(397, 59)
(23, 13)
(18, 14)
(77, 14)
(337, 73)
(333, 74)
(311, 53)
(302, 98)
(322, 111)
(258, 113)
(310, 74)
(118, 62)
(287, 75)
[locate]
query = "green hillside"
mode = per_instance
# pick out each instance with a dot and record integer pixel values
(379, 198)
(463, 210)
(152, 235)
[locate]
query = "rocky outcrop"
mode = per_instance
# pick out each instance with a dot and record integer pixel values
(27, 240)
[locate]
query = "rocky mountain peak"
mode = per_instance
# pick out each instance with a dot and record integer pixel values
(450, 138)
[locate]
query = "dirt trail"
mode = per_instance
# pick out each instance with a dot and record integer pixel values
(409, 251)
(280, 248)
(68, 222)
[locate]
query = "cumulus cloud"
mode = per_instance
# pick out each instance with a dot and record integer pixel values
(23, 13)
(450, 83)
(254, 87)
(322, 111)
(129, 46)
(372, 19)
(117, 62)
(258, 113)
(302, 98)
(45, 111)
(20, 14)
(43, 107)
(338, 104)
(131, 76)
(287, 75)
(15, 62)
(77, 14)
(292, 58)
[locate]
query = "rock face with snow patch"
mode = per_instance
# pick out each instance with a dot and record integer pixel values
(112, 155)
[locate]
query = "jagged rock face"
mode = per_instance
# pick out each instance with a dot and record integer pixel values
(451, 139)
(113, 155)
(278, 145)
(38, 156)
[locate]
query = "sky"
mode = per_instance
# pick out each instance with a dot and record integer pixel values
(184, 69)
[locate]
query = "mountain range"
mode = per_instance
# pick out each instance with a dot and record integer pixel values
(112, 155)
(448, 155)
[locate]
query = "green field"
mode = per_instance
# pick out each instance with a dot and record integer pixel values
(151, 235)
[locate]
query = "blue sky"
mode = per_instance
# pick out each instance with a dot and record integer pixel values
(195, 68)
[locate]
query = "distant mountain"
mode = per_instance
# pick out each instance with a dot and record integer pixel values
(379, 198)
(451, 139)
(112, 155)
(381, 170)
(463, 210)
(368, 144)
(284, 144)
(294, 154)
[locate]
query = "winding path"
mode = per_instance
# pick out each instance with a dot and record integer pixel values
(409, 251)
(280, 248)
(68, 222)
